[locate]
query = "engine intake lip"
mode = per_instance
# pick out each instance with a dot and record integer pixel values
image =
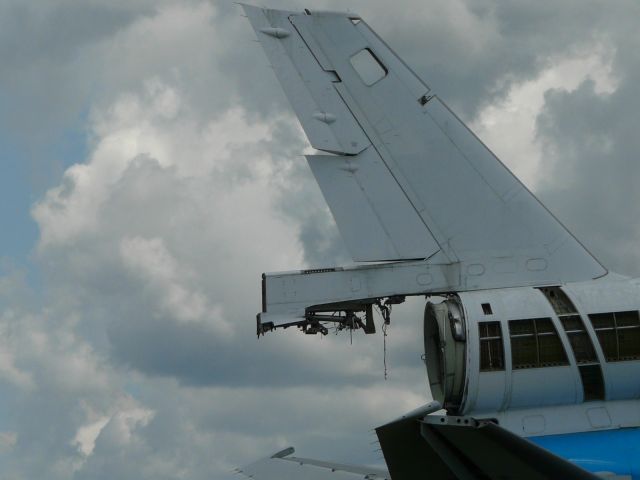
(445, 351)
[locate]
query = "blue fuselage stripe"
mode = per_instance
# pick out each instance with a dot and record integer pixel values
(615, 451)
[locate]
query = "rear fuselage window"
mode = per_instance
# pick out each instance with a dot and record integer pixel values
(618, 334)
(491, 347)
(535, 344)
(368, 67)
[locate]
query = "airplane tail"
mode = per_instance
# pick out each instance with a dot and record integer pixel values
(406, 179)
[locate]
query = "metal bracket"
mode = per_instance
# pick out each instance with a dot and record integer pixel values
(462, 421)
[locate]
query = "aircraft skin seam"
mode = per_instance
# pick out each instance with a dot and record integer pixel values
(397, 174)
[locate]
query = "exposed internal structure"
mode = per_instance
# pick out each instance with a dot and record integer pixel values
(497, 350)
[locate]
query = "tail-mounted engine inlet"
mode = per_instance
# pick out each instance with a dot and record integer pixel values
(445, 345)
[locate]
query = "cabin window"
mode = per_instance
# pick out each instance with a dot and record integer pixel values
(368, 67)
(618, 334)
(491, 346)
(535, 344)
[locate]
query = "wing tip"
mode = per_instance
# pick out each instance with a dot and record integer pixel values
(306, 11)
(284, 453)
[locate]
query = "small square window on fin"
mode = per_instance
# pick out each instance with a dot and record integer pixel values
(486, 308)
(368, 67)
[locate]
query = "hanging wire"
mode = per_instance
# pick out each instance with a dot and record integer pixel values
(385, 312)
(384, 343)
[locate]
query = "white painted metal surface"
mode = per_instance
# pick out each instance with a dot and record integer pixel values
(309, 88)
(374, 227)
(550, 396)
(424, 184)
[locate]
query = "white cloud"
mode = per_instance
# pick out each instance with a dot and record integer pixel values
(509, 127)
(85, 439)
(154, 265)
(119, 431)
(8, 440)
(231, 180)
(8, 371)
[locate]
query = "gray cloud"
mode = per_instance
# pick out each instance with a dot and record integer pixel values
(592, 149)
(592, 183)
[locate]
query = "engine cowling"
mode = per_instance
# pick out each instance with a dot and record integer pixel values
(445, 350)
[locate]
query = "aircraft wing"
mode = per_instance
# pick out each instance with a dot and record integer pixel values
(420, 445)
(406, 180)
(282, 465)
(448, 447)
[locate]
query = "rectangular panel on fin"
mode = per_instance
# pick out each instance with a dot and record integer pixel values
(374, 216)
(325, 118)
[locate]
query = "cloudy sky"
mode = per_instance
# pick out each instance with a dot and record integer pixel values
(150, 171)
